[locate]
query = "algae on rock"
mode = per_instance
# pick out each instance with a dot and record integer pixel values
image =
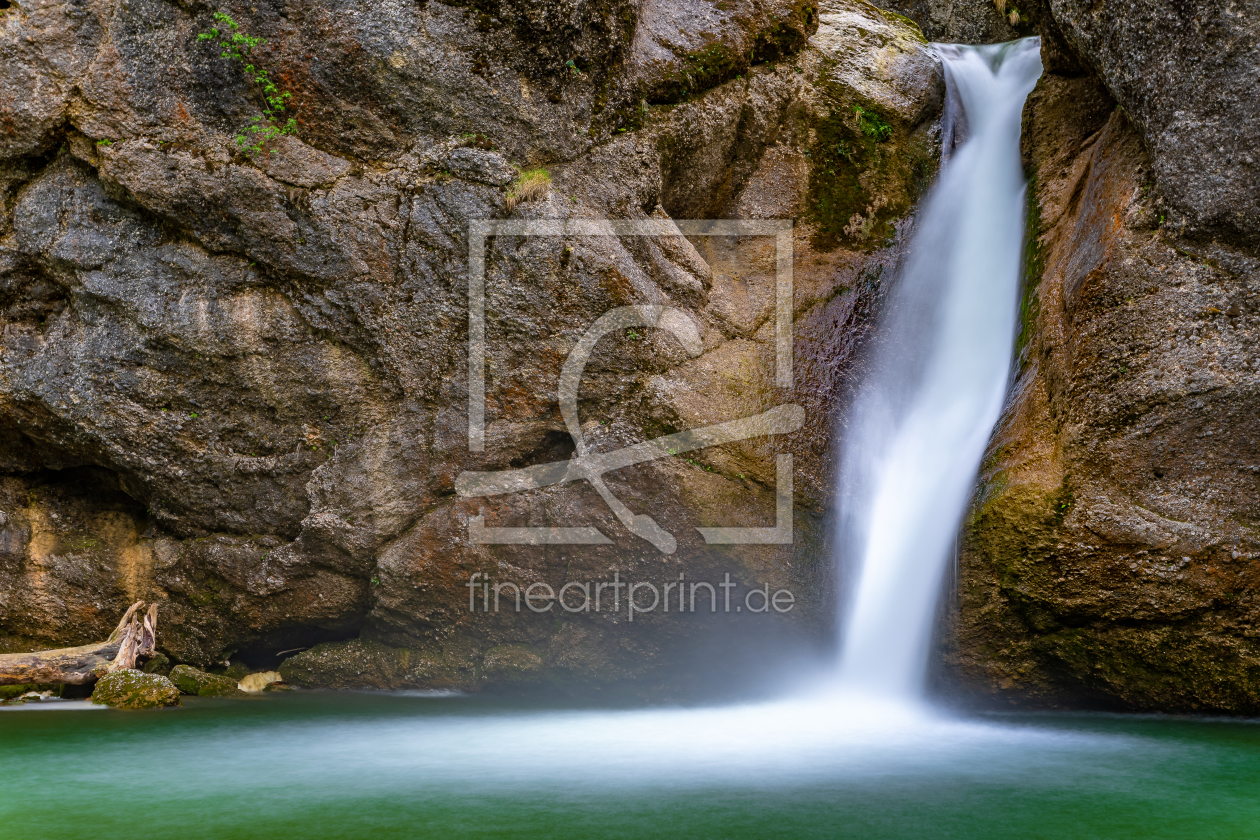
(200, 684)
(131, 689)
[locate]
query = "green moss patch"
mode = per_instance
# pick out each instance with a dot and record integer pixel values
(867, 173)
(200, 684)
(130, 689)
(700, 71)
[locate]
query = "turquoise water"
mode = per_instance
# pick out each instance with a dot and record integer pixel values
(342, 765)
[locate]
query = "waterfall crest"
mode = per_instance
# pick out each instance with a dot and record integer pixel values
(923, 417)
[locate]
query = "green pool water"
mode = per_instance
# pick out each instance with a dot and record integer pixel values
(346, 765)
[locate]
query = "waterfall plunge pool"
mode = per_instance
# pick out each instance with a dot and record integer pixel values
(362, 765)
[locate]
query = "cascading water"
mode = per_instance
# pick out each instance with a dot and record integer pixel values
(922, 420)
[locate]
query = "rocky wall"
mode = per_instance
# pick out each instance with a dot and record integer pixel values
(1112, 558)
(236, 383)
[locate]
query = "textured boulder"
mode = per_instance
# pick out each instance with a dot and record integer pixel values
(130, 689)
(1185, 74)
(200, 684)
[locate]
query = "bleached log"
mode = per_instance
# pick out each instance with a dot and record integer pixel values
(133, 639)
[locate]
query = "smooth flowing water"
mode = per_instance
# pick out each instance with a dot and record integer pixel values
(341, 765)
(826, 762)
(921, 422)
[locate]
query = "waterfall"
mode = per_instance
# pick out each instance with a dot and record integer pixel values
(922, 419)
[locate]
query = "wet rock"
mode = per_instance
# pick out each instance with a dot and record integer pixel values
(200, 684)
(13, 693)
(130, 689)
(27, 697)
(158, 664)
(258, 682)
(1111, 558)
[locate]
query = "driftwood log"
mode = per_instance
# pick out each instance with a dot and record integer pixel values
(133, 639)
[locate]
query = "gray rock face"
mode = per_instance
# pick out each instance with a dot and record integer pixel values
(1186, 74)
(964, 21)
(238, 384)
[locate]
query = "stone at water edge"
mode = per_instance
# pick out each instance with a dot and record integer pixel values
(200, 684)
(13, 693)
(158, 664)
(131, 689)
(17, 695)
(257, 683)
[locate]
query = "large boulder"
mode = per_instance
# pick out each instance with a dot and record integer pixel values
(1186, 76)
(131, 689)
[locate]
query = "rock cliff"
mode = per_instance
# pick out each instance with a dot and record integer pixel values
(238, 383)
(1113, 556)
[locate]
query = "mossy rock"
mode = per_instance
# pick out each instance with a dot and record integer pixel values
(235, 671)
(158, 664)
(131, 689)
(8, 692)
(200, 684)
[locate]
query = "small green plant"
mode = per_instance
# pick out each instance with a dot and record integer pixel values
(872, 124)
(531, 185)
(573, 68)
(104, 142)
(270, 124)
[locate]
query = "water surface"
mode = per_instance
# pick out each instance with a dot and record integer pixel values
(343, 765)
